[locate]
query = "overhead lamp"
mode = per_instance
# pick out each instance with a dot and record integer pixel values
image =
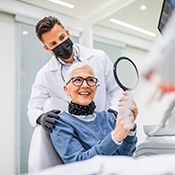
(143, 7)
(65, 4)
(132, 27)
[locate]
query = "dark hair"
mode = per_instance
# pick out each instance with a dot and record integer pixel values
(45, 25)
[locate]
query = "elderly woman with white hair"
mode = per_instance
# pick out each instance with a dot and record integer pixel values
(82, 133)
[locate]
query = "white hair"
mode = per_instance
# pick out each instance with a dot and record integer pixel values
(74, 67)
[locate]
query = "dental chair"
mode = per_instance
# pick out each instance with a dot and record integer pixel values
(42, 154)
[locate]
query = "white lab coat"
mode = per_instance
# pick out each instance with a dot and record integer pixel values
(49, 83)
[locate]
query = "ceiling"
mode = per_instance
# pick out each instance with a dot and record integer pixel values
(100, 11)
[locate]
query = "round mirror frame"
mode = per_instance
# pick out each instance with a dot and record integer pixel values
(115, 74)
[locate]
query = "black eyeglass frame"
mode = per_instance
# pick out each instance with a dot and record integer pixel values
(84, 79)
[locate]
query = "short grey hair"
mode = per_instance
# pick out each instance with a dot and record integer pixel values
(74, 67)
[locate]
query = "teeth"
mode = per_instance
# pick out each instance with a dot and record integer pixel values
(84, 93)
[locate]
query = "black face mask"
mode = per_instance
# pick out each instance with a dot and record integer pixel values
(64, 50)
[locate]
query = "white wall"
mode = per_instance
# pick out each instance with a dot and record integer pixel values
(7, 93)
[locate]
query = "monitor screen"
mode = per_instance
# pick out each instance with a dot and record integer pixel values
(166, 11)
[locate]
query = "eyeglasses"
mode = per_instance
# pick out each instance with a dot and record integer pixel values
(78, 81)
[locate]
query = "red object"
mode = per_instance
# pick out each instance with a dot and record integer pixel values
(166, 87)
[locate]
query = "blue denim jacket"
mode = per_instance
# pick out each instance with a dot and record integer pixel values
(77, 140)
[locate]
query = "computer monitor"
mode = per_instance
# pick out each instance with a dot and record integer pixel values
(166, 11)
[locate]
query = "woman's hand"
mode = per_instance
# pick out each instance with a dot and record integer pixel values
(126, 117)
(123, 125)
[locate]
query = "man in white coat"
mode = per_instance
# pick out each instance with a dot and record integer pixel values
(50, 78)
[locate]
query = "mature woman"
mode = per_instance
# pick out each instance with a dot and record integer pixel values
(81, 133)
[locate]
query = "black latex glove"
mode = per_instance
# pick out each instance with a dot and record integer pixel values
(113, 111)
(47, 120)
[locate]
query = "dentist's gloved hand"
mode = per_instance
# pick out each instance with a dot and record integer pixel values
(47, 120)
